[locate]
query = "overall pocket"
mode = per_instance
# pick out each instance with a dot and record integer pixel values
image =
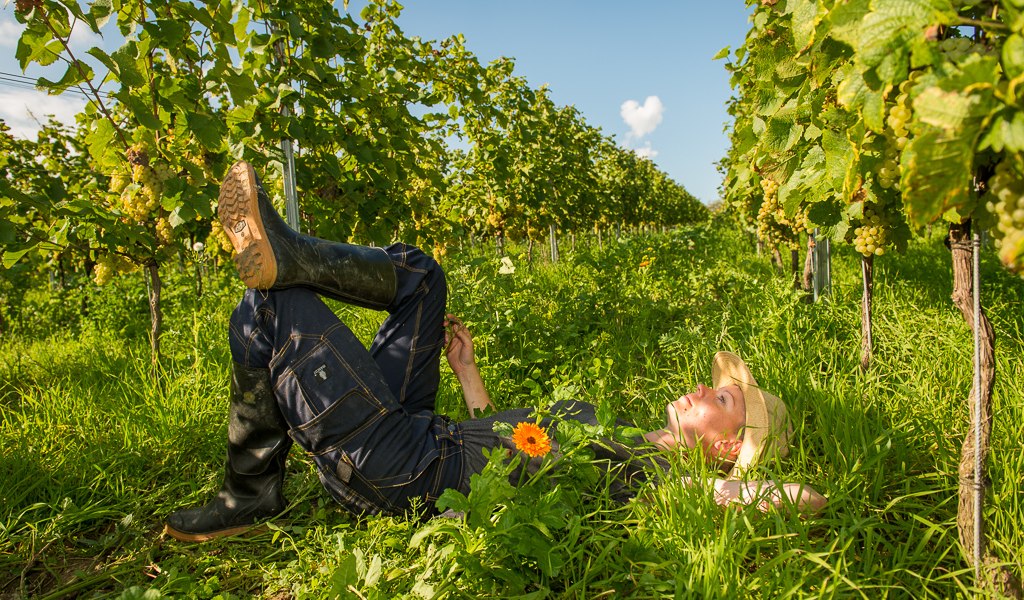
(348, 486)
(343, 419)
(329, 395)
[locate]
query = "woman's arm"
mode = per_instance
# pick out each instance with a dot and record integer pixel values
(766, 494)
(459, 352)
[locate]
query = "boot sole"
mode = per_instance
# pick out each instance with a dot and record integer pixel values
(245, 530)
(239, 213)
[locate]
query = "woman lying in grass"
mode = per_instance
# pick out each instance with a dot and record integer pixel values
(366, 417)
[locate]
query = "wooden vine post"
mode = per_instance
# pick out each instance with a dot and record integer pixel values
(553, 238)
(155, 314)
(808, 277)
(974, 452)
(867, 270)
(794, 266)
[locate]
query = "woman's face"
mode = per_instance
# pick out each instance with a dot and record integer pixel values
(710, 417)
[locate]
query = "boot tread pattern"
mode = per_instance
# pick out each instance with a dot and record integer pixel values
(239, 214)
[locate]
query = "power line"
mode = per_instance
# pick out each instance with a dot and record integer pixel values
(16, 76)
(33, 88)
(16, 81)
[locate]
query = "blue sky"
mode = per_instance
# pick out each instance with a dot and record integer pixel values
(599, 54)
(596, 55)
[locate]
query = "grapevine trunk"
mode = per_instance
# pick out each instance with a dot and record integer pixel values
(155, 314)
(994, 577)
(867, 264)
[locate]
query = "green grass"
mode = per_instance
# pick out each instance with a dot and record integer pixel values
(94, 455)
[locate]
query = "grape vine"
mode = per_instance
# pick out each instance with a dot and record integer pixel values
(879, 119)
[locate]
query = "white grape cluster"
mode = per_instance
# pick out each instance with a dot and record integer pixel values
(800, 222)
(206, 165)
(900, 113)
(872, 236)
(957, 48)
(138, 196)
(164, 231)
(218, 239)
(107, 266)
(898, 134)
(769, 206)
(770, 187)
(163, 171)
(118, 181)
(888, 173)
(103, 272)
(138, 202)
(772, 222)
(1007, 205)
(495, 220)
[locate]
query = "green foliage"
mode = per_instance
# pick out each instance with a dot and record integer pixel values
(99, 454)
(911, 102)
(195, 87)
(530, 528)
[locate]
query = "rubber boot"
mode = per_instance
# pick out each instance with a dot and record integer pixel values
(271, 255)
(258, 444)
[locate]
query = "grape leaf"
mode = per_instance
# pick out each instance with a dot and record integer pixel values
(874, 110)
(207, 129)
(99, 14)
(804, 21)
(839, 157)
(846, 18)
(99, 140)
(937, 174)
(851, 90)
(76, 73)
(7, 231)
(825, 212)
(139, 108)
(949, 111)
(127, 65)
(889, 30)
(1013, 56)
(11, 257)
(1005, 133)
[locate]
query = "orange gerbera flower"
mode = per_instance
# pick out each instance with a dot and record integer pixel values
(531, 439)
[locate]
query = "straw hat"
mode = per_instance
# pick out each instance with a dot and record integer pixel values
(768, 429)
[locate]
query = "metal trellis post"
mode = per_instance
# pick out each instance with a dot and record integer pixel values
(821, 265)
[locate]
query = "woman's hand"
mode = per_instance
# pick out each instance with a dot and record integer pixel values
(766, 495)
(458, 346)
(459, 352)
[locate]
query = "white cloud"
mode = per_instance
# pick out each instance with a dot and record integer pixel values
(646, 151)
(82, 38)
(642, 119)
(9, 33)
(23, 110)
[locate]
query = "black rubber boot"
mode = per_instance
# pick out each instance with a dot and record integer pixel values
(271, 255)
(258, 444)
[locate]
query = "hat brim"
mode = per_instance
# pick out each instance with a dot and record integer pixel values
(758, 433)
